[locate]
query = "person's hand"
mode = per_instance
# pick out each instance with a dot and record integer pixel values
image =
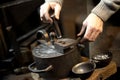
(45, 16)
(92, 27)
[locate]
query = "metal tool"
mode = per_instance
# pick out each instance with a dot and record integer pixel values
(57, 29)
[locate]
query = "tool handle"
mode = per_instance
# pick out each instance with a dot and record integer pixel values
(57, 29)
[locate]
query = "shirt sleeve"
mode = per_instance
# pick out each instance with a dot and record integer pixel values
(58, 1)
(106, 8)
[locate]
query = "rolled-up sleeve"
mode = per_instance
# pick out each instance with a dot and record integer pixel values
(106, 8)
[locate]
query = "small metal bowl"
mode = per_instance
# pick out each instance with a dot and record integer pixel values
(84, 69)
(102, 59)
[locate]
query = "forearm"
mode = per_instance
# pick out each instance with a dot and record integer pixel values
(58, 1)
(106, 8)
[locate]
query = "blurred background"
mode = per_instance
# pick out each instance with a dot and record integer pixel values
(19, 22)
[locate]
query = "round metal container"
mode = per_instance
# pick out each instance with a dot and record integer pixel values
(52, 64)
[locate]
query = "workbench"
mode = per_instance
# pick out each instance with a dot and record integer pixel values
(98, 74)
(104, 73)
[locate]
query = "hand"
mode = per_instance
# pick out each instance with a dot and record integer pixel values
(45, 16)
(92, 27)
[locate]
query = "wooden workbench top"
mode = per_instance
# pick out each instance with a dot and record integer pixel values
(98, 74)
(104, 73)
